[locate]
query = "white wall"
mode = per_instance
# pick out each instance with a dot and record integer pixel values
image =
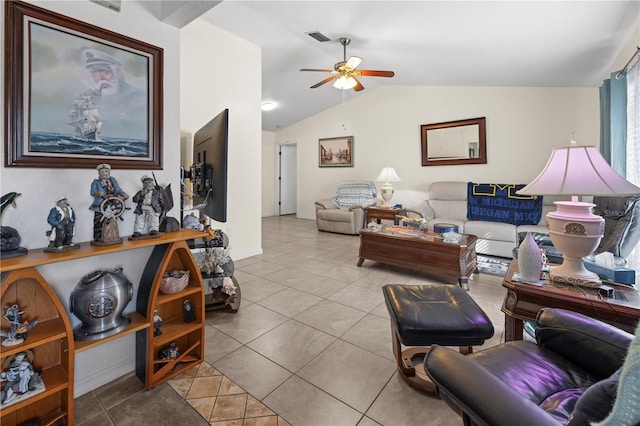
(269, 174)
(523, 126)
(218, 71)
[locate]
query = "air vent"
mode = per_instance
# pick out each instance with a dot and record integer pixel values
(111, 4)
(318, 36)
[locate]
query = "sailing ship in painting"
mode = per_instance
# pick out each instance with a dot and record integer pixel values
(85, 118)
(86, 136)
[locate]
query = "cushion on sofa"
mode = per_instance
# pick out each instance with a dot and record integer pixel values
(494, 202)
(491, 230)
(354, 192)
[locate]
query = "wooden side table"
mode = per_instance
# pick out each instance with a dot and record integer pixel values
(523, 301)
(388, 214)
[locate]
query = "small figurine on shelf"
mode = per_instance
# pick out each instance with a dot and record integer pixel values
(188, 311)
(108, 205)
(150, 202)
(20, 377)
(169, 352)
(18, 332)
(192, 222)
(62, 219)
(157, 323)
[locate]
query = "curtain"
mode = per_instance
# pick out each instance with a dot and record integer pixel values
(605, 120)
(613, 121)
(633, 124)
(633, 143)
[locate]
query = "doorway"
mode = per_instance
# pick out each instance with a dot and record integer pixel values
(287, 179)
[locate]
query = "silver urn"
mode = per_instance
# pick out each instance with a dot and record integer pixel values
(98, 301)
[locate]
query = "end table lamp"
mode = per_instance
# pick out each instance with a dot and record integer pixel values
(573, 228)
(387, 175)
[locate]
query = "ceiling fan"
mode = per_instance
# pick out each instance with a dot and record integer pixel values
(345, 72)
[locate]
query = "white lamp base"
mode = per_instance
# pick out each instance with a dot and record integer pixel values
(386, 192)
(576, 232)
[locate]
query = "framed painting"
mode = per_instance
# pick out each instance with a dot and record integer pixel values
(77, 95)
(335, 152)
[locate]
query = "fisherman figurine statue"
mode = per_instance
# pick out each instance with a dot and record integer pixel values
(62, 219)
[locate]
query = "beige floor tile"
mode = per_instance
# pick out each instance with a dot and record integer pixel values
(227, 387)
(292, 344)
(181, 386)
(256, 408)
(202, 387)
(261, 421)
(204, 406)
(229, 407)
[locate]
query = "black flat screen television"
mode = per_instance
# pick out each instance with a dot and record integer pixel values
(209, 169)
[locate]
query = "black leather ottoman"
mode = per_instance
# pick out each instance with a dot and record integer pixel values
(423, 315)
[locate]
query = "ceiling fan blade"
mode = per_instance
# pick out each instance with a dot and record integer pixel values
(325, 81)
(353, 62)
(374, 73)
(316, 69)
(358, 87)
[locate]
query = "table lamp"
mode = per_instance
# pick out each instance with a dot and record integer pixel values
(573, 228)
(387, 175)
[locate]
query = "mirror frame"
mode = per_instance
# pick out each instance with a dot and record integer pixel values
(482, 145)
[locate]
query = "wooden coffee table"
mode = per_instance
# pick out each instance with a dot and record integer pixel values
(411, 248)
(523, 301)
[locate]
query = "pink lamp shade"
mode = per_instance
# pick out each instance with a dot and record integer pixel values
(578, 170)
(573, 228)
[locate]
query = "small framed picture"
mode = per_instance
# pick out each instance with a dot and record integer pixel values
(335, 152)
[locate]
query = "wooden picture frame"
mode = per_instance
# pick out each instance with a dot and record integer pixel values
(454, 142)
(335, 152)
(77, 95)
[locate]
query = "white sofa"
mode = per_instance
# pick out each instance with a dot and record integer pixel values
(447, 203)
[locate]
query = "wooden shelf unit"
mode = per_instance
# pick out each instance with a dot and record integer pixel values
(188, 336)
(51, 340)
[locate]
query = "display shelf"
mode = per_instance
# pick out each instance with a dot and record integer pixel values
(188, 336)
(44, 332)
(37, 257)
(51, 340)
(192, 288)
(173, 330)
(138, 322)
(166, 369)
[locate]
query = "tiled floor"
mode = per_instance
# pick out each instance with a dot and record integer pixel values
(311, 342)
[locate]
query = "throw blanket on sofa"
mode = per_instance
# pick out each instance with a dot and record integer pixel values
(495, 202)
(354, 192)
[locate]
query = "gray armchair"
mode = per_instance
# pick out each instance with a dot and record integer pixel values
(345, 213)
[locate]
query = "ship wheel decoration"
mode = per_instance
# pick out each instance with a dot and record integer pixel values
(112, 207)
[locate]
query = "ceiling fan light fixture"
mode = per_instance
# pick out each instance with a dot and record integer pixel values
(345, 82)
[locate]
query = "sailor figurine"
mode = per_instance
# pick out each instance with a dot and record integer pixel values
(62, 219)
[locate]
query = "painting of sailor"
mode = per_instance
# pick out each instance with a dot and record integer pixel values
(86, 94)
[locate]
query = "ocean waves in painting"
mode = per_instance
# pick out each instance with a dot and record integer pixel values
(55, 143)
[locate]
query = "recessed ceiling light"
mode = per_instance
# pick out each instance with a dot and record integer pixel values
(268, 106)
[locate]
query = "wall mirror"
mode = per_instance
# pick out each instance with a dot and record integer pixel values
(454, 142)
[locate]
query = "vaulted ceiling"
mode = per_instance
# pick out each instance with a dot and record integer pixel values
(442, 43)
